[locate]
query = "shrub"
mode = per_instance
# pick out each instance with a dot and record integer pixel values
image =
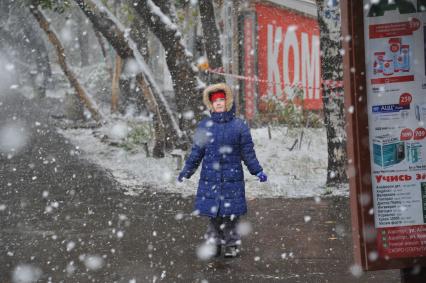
(289, 112)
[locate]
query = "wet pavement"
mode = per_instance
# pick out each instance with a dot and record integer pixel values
(66, 220)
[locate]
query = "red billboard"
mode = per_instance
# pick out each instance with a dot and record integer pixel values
(288, 55)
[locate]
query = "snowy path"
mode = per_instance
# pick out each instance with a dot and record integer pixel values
(64, 218)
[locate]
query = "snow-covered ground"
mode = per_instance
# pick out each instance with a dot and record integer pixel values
(296, 173)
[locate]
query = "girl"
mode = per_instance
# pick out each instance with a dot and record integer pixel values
(222, 141)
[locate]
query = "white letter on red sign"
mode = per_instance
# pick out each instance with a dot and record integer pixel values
(273, 70)
(291, 42)
(310, 66)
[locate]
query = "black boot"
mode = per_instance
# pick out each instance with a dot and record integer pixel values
(231, 251)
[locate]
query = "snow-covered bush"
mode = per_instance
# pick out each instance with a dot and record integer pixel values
(140, 133)
(132, 136)
(289, 112)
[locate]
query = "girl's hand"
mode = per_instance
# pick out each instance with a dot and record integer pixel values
(180, 178)
(262, 176)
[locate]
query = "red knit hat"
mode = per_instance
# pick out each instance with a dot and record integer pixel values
(216, 95)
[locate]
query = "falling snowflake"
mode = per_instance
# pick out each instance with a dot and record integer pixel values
(206, 251)
(226, 149)
(70, 246)
(244, 228)
(26, 273)
(356, 270)
(13, 137)
(93, 262)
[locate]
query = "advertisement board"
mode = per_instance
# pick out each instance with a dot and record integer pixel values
(385, 85)
(396, 83)
(288, 55)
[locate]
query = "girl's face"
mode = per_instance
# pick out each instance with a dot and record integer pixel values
(219, 105)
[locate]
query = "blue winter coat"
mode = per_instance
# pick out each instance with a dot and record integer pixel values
(221, 142)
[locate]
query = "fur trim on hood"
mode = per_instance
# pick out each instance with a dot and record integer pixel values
(229, 97)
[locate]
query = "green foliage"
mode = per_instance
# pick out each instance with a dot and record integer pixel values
(290, 112)
(180, 16)
(59, 6)
(127, 10)
(328, 190)
(140, 134)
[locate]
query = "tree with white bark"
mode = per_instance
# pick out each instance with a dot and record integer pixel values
(333, 103)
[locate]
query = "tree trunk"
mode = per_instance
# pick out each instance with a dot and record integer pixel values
(159, 130)
(53, 38)
(139, 33)
(104, 22)
(130, 94)
(115, 90)
(211, 39)
(179, 61)
(105, 25)
(332, 69)
(41, 58)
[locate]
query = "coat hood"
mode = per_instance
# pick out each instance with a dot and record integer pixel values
(229, 97)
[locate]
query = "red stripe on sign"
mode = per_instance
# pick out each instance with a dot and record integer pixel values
(393, 80)
(400, 242)
(391, 29)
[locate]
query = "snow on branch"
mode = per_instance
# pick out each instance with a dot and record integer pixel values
(143, 67)
(52, 36)
(165, 19)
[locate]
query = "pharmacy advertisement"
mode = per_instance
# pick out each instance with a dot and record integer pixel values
(395, 44)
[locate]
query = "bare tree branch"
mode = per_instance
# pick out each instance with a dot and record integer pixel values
(53, 38)
(161, 21)
(116, 35)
